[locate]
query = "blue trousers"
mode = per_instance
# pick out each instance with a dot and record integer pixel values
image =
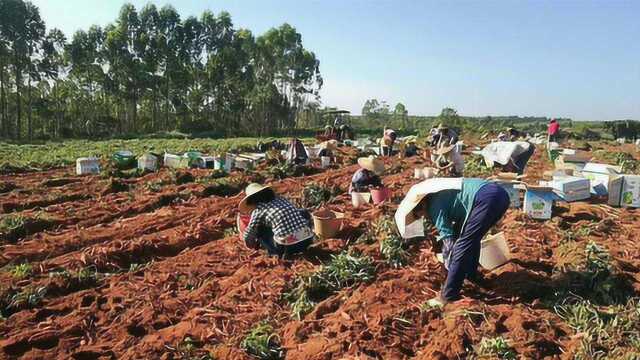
(490, 204)
(265, 238)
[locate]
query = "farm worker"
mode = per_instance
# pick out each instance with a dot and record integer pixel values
(512, 156)
(388, 138)
(368, 176)
(449, 160)
(553, 130)
(337, 122)
(275, 223)
(296, 152)
(327, 148)
(329, 131)
(443, 137)
(462, 210)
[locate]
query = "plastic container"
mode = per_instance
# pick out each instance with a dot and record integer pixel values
(174, 161)
(229, 162)
(242, 222)
(218, 163)
(327, 223)
(148, 162)
(312, 152)
(203, 162)
(325, 161)
(87, 165)
(360, 199)
(494, 251)
(124, 159)
(378, 196)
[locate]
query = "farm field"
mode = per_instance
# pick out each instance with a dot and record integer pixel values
(150, 267)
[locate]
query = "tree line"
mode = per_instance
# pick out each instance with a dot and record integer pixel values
(151, 71)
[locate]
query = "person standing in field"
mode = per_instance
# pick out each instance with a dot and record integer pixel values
(463, 210)
(388, 139)
(553, 130)
(276, 224)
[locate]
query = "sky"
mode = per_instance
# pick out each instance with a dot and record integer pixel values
(556, 58)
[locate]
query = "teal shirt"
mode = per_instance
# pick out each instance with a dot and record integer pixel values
(449, 209)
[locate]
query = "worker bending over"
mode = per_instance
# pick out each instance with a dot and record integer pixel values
(462, 210)
(367, 177)
(276, 224)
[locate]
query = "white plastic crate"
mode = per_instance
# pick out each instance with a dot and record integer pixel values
(87, 165)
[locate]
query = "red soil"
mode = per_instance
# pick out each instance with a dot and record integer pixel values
(199, 283)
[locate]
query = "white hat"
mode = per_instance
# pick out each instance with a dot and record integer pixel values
(372, 163)
(251, 190)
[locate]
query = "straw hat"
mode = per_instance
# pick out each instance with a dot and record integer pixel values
(371, 163)
(329, 145)
(442, 127)
(251, 190)
(444, 150)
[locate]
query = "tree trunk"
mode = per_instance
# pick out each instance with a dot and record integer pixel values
(4, 126)
(18, 101)
(29, 124)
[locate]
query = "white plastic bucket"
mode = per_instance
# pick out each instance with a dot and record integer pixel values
(313, 152)
(360, 199)
(148, 162)
(173, 161)
(494, 251)
(89, 165)
(325, 161)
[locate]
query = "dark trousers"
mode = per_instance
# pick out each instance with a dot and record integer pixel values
(490, 204)
(386, 150)
(522, 159)
(265, 238)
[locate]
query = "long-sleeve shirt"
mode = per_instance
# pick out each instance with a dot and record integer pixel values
(280, 215)
(553, 127)
(449, 209)
(363, 179)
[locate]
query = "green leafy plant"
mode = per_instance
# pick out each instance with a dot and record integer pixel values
(607, 332)
(189, 349)
(21, 271)
(392, 250)
(474, 166)
(262, 343)
(315, 195)
(498, 347)
(29, 297)
(344, 270)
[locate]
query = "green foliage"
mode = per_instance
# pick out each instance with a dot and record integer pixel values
(29, 297)
(474, 166)
(262, 343)
(21, 271)
(189, 349)
(10, 223)
(496, 347)
(609, 332)
(392, 250)
(315, 195)
(344, 270)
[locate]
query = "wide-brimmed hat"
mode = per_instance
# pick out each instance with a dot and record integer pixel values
(329, 145)
(442, 127)
(444, 150)
(372, 163)
(251, 190)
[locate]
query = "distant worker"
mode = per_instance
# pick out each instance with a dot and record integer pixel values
(296, 153)
(448, 161)
(463, 211)
(368, 176)
(329, 132)
(388, 139)
(275, 224)
(444, 136)
(553, 130)
(327, 148)
(337, 122)
(511, 156)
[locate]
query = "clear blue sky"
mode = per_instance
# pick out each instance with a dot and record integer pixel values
(578, 59)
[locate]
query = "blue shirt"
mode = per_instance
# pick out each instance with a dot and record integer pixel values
(449, 209)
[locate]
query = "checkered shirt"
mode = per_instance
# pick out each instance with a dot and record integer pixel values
(279, 214)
